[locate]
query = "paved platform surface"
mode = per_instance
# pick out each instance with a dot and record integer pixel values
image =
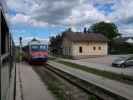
(116, 87)
(125, 71)
(102, 63)
(29, 85)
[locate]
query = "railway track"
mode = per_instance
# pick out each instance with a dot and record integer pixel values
(88, 88)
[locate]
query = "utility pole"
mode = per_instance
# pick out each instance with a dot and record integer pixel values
(20, 44)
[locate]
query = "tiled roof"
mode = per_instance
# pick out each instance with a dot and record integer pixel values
(84, 37)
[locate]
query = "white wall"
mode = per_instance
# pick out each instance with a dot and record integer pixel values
(67, 46)
(87, 49)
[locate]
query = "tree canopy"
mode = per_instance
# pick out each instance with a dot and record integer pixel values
(107, 29)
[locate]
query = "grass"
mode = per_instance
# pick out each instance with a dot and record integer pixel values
(56, 90)
(93, 89)
(59, 88)
(62, 56)
(53, 84)
(114, 76)
(51, 58)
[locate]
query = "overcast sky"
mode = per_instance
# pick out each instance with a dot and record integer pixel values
(42, 18)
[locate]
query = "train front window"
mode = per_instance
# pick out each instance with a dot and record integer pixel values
(43, 47)
(35, 47)
(38, 47)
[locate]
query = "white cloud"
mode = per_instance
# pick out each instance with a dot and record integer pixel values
(28, 39)
(122, 15)
(56, 12)
(72, 12)
(102, 1)
(126, 30)
(21, 18)
(122, 10)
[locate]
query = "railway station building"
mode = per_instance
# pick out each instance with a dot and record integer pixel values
(83, 45)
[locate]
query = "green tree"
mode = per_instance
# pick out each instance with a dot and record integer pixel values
(107, 29)
(55, 44)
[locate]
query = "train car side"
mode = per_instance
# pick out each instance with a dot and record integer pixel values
(7, 61)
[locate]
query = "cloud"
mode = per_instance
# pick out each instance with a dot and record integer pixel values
(122, 11)
(3, 4)
(126, 30)
(122, 15)
(21, 18)
(76, 13)
(67, 12)
(28, 39)
(56, 12)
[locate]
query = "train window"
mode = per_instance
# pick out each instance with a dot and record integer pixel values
(43, 47)
(4, 36)
(34, 47)
(38, 47)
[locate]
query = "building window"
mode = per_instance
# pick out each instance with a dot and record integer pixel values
(99, 48)
(94, 48)
(80, 49)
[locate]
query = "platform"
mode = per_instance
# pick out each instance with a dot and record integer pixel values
(29, 85)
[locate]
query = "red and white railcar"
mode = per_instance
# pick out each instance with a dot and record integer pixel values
(36, 52)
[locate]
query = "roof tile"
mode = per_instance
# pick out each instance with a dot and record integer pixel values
(85, 37)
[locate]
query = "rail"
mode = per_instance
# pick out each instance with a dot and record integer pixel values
(101, 94)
